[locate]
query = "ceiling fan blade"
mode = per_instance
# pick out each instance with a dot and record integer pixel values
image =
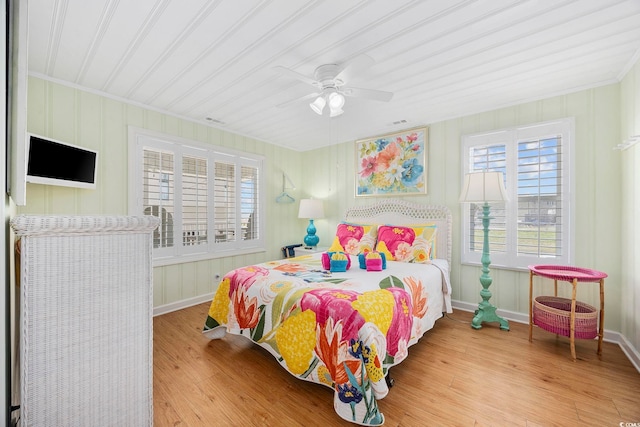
(296, 100)
(377, 95)
(347, 70)
(290, 73)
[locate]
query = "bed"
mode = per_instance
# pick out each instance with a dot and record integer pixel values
(346, 329)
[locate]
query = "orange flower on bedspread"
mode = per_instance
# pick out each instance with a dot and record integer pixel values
(333, 350)
(418, 298)
(291, 267)
(246, 309)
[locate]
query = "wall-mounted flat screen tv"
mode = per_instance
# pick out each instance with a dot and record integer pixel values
(52, 162)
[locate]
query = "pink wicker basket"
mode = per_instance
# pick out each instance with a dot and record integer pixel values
(553, 315)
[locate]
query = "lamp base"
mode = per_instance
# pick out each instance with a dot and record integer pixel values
(487, 313)
(311, 240)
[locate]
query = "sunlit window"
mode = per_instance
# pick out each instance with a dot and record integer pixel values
(534, 226)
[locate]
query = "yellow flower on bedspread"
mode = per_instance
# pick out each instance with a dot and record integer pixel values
(376, 307)
(219, 309)
(372, 364)
(324, 376)
(296, 338)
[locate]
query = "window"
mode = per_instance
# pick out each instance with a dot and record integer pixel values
(209, 200)
(534, 226)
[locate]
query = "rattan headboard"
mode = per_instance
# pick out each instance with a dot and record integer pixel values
(401, 212)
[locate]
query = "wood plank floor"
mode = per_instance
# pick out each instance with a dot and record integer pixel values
(455, 376)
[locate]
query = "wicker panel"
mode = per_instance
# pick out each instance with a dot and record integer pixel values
(553, 314)
(86, 338)
(31, 225)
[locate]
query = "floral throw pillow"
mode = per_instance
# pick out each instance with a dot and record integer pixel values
(354, 238)
(416, 243)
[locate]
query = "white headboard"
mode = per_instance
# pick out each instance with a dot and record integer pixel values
(401, 212)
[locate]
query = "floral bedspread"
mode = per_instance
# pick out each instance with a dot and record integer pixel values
(342, 330)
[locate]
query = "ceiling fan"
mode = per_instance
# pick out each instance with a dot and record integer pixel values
(330, 81)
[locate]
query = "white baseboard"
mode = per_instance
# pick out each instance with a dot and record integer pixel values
(631, 352)
(609, 336)
(509, 315)
(179, 305)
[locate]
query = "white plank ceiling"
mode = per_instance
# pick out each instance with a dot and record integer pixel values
(212, 61)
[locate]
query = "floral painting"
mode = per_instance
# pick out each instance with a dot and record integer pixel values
(392, 165)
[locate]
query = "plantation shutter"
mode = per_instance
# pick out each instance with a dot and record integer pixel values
(158, 194)
(490, 159)
(540, 194)
(209, 200)
(249, 203)
(225, 202)
(194, 201)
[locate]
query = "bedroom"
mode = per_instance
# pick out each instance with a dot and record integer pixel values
(606, 184)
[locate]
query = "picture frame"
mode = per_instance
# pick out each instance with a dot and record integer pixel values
(394, 164)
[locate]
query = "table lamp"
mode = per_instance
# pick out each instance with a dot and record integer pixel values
(484, 187)
(311, 209)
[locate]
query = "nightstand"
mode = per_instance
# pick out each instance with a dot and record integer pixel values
(302, 250)
(563, 320)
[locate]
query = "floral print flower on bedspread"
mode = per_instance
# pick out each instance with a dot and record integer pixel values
(245, 309)
(219, 308)
(290, 267)
(333, 350)
(399, 332)
(376, 307)
(334, 304)
(296, 340)
(245, 276)
(418, 296)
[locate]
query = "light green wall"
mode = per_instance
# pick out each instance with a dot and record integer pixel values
(630, 208)
(100, 123)
(597, 195)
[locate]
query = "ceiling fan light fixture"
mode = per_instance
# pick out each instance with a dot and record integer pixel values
(318, 105)
(336, 101)
(335, 112)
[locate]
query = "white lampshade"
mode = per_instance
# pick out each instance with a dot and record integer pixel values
(311, 209)
(483, 187)
(318, 104)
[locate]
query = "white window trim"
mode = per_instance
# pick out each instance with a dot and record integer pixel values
(138, 139)
(510, 137)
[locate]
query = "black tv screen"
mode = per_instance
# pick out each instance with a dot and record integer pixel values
(55, 163)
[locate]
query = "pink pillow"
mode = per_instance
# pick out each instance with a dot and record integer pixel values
(414, 243)
(354, 238)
